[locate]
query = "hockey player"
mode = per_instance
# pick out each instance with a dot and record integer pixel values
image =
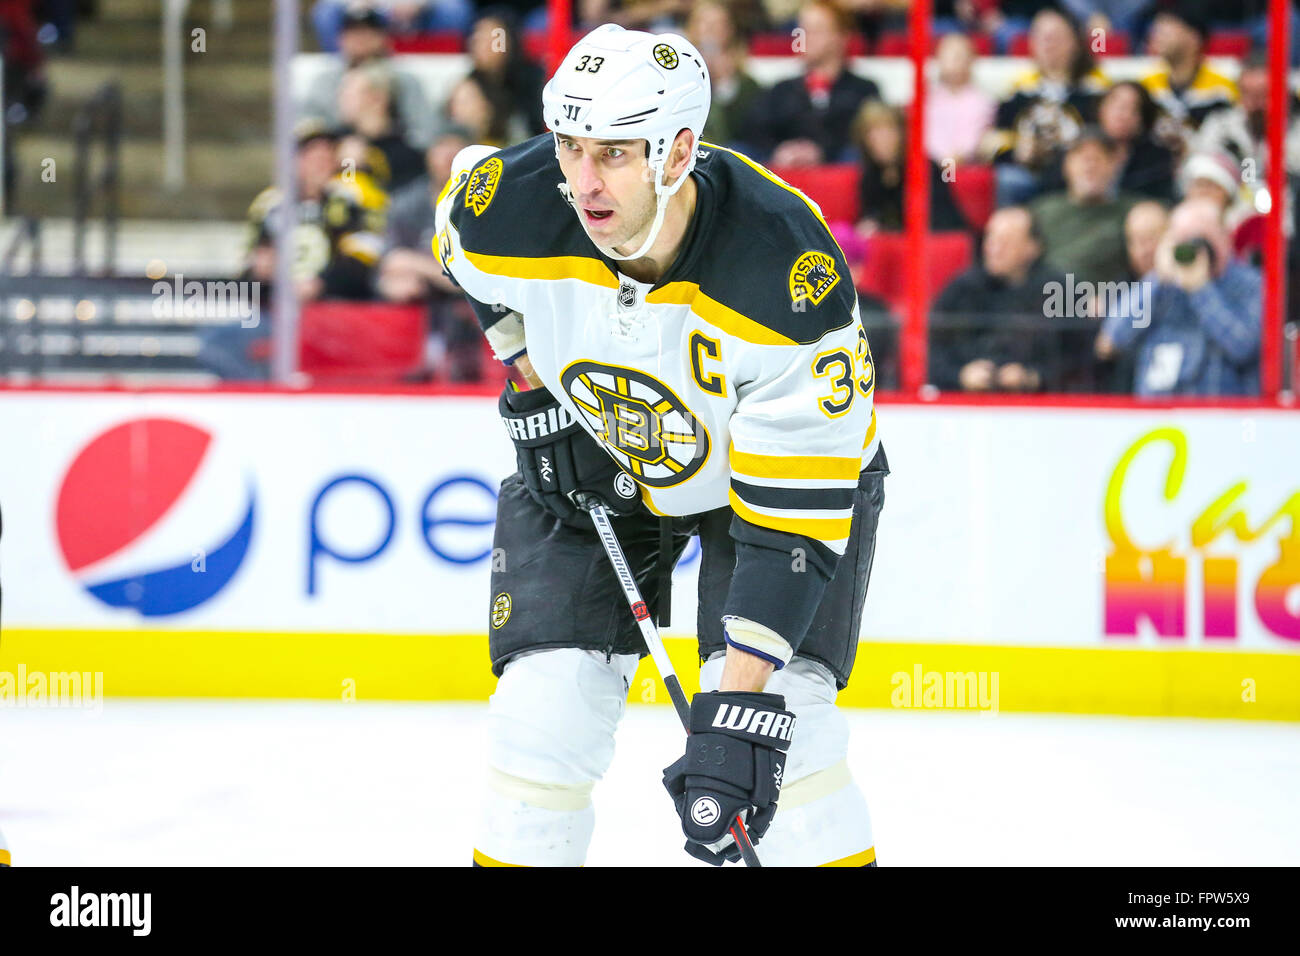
(692, 335)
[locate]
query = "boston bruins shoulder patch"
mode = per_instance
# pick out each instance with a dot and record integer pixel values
(812, 276)
(483, 185)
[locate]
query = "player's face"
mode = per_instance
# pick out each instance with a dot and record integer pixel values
(611, 186)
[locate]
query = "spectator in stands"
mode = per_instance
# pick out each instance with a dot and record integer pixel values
(712, 28)
(806, 120)
(1242, 131)
(1185, 87)
(1144, 227)
(1213, 178)
(1125, 16)
(1127, 115)
(874, 17)
(409, 271)
(365, 107)
(988, 329)
(657, 16)
(468, 106)
(339, 223)
(878, 132)
(958, 113)
(1199, 334)
(24, 84)
(1048, 108)
(1083, 226)
(400, 16)
(362, 39)
(1004, 20)
(511, 81)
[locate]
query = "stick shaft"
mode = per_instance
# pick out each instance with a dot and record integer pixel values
(655, 645)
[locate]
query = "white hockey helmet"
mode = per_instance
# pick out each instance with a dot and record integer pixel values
(628, 84)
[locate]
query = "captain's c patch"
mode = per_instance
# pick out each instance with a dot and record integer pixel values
(483, 185)
(812, 276)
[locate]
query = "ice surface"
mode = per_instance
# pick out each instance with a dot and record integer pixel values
(234, 782)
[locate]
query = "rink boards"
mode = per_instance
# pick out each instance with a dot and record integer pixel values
(1077, 559)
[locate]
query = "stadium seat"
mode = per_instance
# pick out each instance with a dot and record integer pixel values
(442, 41)
(898, 43)
(884, 271)
(1228, 43)
(371, 343)
(833, 187)
(974, 192)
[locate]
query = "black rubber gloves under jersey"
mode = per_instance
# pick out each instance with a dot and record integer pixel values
(557, 458)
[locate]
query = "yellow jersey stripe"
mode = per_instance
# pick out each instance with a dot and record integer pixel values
(715, 313)
(795, 466)
(857, 859)
(4, 858)
(871, 430)
(549, 267)
(482, 859)
(822, 529)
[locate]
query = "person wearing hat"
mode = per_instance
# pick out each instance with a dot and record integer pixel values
(331, 17)
(339, 222)
(1185, 86)
(1213, 177)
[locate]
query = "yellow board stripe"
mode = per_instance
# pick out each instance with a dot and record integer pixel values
(735, 324)
(552, 267)
(823, 529)
(5, 859)
(482, 859)
(1161, 682)
(795, 466)
(857, 859)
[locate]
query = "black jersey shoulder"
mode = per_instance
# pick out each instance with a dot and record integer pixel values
(768, 253)
(511, 205)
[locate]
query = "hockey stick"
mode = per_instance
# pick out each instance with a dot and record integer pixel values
(600, 518)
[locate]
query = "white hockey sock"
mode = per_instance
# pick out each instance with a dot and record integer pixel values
(519, 833)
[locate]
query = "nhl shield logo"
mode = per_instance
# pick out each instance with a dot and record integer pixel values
(812, 276)
(626, 295)
(483, 186)
(651, 432)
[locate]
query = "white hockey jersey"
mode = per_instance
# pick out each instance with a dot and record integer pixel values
(742, 378)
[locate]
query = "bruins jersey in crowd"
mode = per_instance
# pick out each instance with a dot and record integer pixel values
(338, 237)
(742, 377)
(1186, 108)
(1051, 112)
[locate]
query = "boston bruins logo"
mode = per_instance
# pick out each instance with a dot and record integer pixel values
(665, 56)
(501, 610)
(650, 431)
(483, 186)
(812, 276)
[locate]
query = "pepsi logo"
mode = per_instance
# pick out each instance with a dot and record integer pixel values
(154, 515)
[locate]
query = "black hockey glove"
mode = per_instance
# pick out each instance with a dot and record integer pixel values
(735, 756)
(557, 458)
